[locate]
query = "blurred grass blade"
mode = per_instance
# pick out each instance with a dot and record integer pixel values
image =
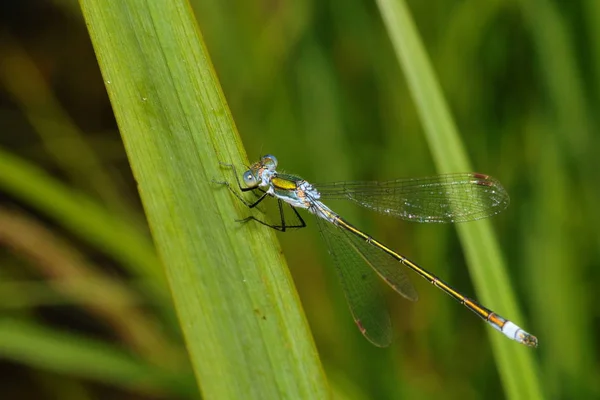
(570, 144)
(516, 365)
(82, 215)
(245, 331)
(109, 300)
(58, 133)
(16, 295)
(562, 77)
(48, 349)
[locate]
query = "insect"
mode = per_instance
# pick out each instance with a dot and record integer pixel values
(446, 198)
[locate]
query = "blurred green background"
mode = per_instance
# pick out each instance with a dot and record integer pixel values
(317, 84)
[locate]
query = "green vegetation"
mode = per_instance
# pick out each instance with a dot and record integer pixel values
(340, 90)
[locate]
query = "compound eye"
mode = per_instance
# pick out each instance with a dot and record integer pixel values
(269, 161)
(249, 179)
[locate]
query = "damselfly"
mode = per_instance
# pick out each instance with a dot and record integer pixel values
(445, 198)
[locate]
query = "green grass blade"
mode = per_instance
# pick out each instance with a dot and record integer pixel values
(591, 10)
(63, 141)
(82, 215)
(74, 355)
(562, 76)
(515, 362)
(110, 301)
(568, 130)
(245, 332)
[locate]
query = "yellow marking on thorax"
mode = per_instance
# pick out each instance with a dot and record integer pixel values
(285, 184)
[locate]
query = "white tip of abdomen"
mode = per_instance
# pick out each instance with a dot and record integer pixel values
(515, 333)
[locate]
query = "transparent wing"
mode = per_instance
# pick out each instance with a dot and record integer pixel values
(443, 198)
(360, 285)
(353, 257)
(388, 268)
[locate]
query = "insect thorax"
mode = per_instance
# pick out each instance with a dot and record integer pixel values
(294, 191)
